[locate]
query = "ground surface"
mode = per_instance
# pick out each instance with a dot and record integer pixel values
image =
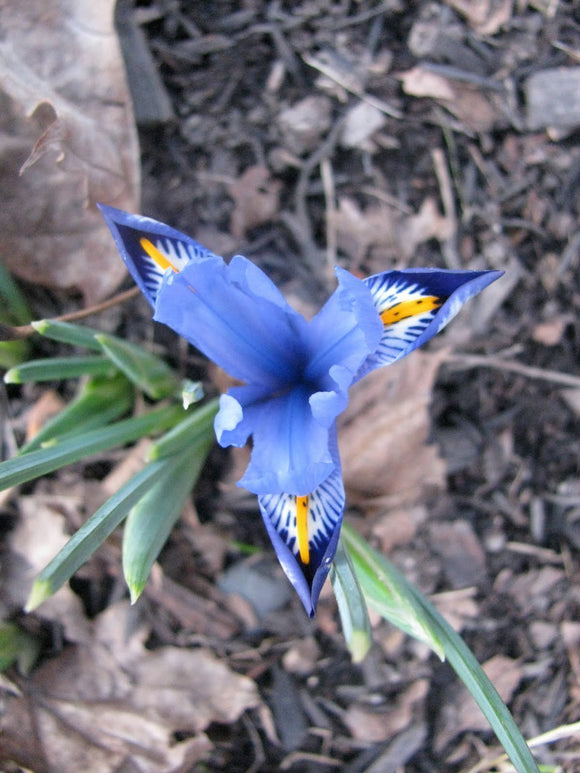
(377, 135)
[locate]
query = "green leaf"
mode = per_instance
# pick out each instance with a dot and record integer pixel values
(15, 309)
(374, 570)
(17, 646)
(351, 605)
(57, 368)
(99, 402)
(41, 462)
(12, 353)
(197, 424)
(147, 371)
(151, 520)
(385, 594)
(67, 333)
(91, 535)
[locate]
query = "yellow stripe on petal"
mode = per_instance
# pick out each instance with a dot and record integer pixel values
(302, 505)
(407, 309)
(156, 255)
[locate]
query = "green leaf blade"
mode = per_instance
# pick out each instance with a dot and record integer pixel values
(352, 606)
(45, 460)
(144, 369)
(151, 520)
(371, 567)
(99, 402)
(91, 535)
(58, 368)
(67, 333)
(190, 430)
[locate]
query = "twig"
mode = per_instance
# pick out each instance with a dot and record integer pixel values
(466, 361)
(8, 333)
(368, 98)
(329, 195)
(446, 190)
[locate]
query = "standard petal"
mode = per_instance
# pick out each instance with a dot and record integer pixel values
(150, 248)
(290, 448)
(343, 334)
(236, 317)
(304, 532)
(415, 304)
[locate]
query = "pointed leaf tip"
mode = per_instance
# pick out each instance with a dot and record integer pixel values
(41, 591)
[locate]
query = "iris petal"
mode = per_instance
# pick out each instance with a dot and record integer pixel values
(150, 248)
(415, 304)
(304, 532)
(236, 317)
(291, 449)
(343, 334)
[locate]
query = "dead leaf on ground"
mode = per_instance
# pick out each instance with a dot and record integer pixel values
(376, 726)
(303, 123)
(47, 406)
(66, 123)
(255, 196)
(478, 109)
(486, 16)
(385, 229)
(398, 526)
(383, 435)
(460, 712)
(111, 701)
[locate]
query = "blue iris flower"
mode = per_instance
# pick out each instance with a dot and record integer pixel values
(295, 373)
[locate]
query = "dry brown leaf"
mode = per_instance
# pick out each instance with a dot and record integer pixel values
(255, 195)
(47, 406)
(67, 124)
(460, 550)
(475, 108)
(109, 702)
(398, 526)
(303, 124)
(376, 726)
(382, 227)
(460, 711)
(485, 16)
(383, 435)
(551, 331)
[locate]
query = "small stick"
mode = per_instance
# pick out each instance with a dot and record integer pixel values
(329, 195)
(483, 361)
(8, 333)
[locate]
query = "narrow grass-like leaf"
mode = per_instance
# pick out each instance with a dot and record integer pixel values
(147, 371)
(92, 534)
(196, 425)
(374, 570)
(385, 594)
(99, 402)
(151, 520)
(351, 605)
(67, 333)
(57, 368)
(45, 460)
(13, 300)
(12, 353)
(17, 646)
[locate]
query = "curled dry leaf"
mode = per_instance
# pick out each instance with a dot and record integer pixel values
(389, 232)
(383, 435)
(111, 703)
(67, 141)
(255, 196)
(477, 109)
